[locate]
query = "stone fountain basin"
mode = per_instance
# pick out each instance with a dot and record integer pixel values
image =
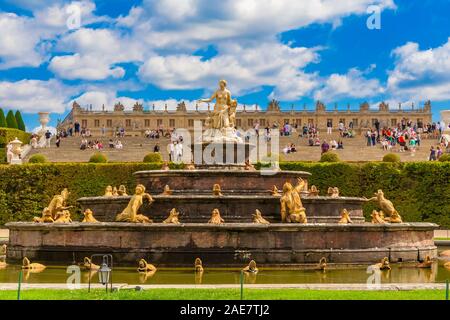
(233, 208)
(229, 244)
(231, 181)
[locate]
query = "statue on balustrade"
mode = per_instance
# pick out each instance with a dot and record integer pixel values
(292, 209)
(131, 212)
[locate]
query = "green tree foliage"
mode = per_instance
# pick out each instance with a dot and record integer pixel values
(2, 119)
(11, 120)
(19, 120)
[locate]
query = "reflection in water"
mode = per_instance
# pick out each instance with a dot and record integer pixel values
(398, 274)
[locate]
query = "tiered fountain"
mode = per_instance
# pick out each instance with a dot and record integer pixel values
(238, 239)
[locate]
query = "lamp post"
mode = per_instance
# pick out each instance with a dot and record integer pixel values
(105, 271)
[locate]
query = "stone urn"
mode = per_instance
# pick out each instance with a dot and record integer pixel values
(445, 117)
(44, 119)
(16, 150)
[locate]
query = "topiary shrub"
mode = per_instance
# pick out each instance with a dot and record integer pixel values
(329, 157)
(37, 158)
(153, 157)
(98, 158)
(445, 157)
(391, 157)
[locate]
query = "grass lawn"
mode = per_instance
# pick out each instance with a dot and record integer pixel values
(223, 294)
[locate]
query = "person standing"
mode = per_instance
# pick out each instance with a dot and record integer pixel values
(48, 137)
(432, 154)
(329, 126)
(77, 128)
(103, 130)
(58, 141)
(171, 151)
(325, 146)
(179, 152)
(156, 148)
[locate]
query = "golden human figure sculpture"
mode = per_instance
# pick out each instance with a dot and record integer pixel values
(313, 191)
(217, 190)
(122, 190)
(26, 264)
(144, 266)
(215, 217)
(173, 217)
(3, 249)
(390, 213)
(345, 217)
(383, 264)
(292, 209)
(108, 191)
(198, 265)
(249, 166)
(251, 267)
(57, 208)
(89, 216)
(219, 117)
(130, 213)
(258, 218)
(232, 113)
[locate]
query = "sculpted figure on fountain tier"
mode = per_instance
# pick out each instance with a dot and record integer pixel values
(222, 120)
(388, 211)
(57, 209)
(292, 209)
(130, 213)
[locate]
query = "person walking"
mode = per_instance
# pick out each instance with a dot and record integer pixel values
(325, 146)
(156, 148)
(329, 126)
(432, 154)
(171, 151)
(48, 137)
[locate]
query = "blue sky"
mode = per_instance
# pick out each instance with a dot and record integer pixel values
(162, 52)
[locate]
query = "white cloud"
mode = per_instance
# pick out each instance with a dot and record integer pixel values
(421, 74)
(351, 84)
(34, 95)
(246, 69)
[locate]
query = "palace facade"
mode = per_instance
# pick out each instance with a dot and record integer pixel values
(138, 120)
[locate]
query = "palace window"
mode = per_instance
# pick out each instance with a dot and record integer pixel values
(311, 121)
(159, 122)
(147, 123)
(172, 123)
(355, 122)
(250, 122)
(262, 122)
(84, 123)
(190, 123)
(374, 120)
(298, 122)
(109, 123)
(393, 122)
(96, 123)
(128, 123)
(238, 123)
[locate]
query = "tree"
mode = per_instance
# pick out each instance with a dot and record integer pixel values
(11, 120)
(19, 120)
(2, 119)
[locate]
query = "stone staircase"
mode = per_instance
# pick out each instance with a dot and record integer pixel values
(135, 148)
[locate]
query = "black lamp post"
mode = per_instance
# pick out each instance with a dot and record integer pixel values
(105, 271)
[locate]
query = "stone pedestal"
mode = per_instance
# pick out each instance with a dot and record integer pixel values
(226, 154)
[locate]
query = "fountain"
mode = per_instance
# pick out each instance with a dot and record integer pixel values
(174, 224)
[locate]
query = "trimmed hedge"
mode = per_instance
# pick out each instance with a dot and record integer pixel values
(8, 134)
(444, 157)
(391, 157)
(98, 158)
(329, 157)
(419, 190)
(153, 157)
(37, 158)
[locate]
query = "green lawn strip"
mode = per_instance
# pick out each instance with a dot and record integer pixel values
(223, 294)
(448, 239)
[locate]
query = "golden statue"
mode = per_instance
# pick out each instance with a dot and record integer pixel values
(167, 191)
(165, 166)
(63, 217)
(251, 267)
(57, 209)
(377, 217)
(384, 264)
(258, 218)
(333, 192)
(144, 266)
(115, 193)
(3, 263)
(292, 209)
(198, 265)
(217, 191)
(173, 217)
(88, 265)
(390, 214)
(447, 265)
(3, 250)
(26, 264)
(249, 166)
(190, 166)
(220, 126)
(215, 217)
(122, 190)
(89, 216)
(322, 264)
(275, 192)
(427, 263)
(345, 217)
(313, 191)
(108, 191)
(130, 213)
